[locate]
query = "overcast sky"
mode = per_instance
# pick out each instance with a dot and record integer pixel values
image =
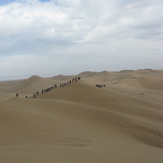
(51, 37)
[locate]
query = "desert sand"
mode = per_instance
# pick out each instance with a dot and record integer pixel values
(81, 123)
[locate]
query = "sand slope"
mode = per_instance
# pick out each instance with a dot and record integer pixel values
(83, 123)
(26, 87)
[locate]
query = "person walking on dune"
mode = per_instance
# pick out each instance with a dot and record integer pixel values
(17, 95)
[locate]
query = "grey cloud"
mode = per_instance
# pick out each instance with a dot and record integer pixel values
(76, 30)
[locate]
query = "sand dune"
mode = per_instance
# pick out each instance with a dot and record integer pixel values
(62, 78)
(150, 79)
(25, 87)
(121, 122)
(33, 84)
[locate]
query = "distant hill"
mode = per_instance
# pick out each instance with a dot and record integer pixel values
(147, 78)
(62, 77)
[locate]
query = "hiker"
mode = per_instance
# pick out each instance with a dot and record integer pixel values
(98, 85)
(17, 95)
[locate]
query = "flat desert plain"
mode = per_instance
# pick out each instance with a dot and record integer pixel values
(120, 122)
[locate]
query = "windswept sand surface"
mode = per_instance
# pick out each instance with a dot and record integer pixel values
(80, 123)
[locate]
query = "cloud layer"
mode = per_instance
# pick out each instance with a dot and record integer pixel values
(80, 35)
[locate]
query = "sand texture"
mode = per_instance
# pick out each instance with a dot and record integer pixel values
(81, 123)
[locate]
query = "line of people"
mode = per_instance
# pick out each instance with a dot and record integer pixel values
(55, 86)
(51, 88)
(100, 85)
